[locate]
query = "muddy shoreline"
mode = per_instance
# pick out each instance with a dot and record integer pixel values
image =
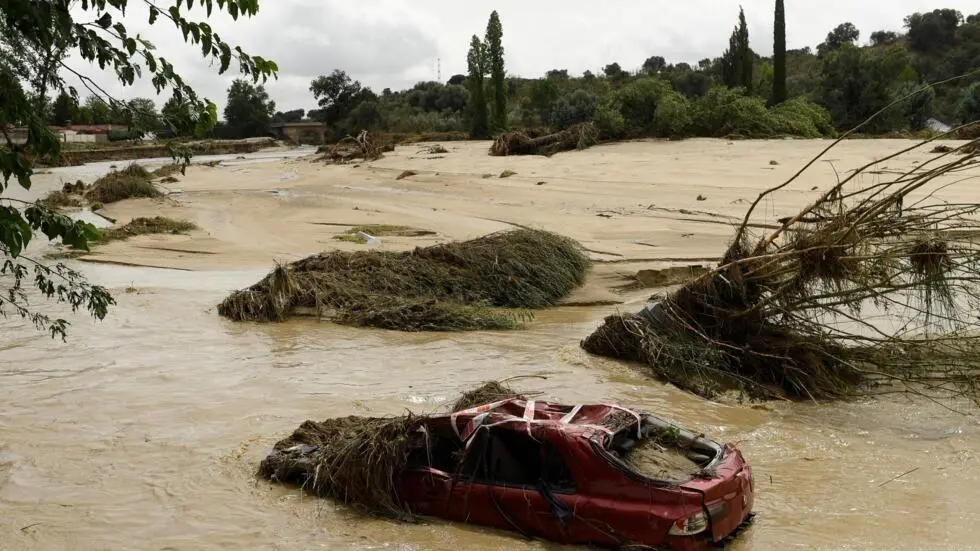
(74, 157)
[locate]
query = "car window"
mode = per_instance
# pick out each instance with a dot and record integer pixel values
(511, 458)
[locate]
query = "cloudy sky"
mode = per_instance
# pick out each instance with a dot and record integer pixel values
(396, 43)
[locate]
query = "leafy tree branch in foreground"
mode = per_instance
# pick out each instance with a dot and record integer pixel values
(36, 39)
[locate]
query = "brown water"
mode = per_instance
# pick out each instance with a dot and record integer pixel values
(144, 431)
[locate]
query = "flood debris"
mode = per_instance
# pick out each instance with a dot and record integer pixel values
(363, 147)
(128, 183)
(485, 283)
(406, 174)
(357, 460)
(872, 288)
(522, 142)
(412, 465)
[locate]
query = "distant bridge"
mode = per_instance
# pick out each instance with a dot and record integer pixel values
(300, 132)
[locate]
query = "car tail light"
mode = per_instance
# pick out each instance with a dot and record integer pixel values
(694, 524)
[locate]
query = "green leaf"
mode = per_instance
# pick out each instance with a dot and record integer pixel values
(154, 13)
(104, 21)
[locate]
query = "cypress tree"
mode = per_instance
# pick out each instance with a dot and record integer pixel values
(476, 61)
(744, 53)
(495, 62)
(779, 93)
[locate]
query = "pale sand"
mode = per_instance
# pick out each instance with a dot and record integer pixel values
(633, 205)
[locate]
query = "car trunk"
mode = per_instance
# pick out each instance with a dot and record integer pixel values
(666, 453)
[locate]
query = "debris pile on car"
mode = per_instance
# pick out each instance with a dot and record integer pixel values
(491, 282)
(357, 460)
(877, 282)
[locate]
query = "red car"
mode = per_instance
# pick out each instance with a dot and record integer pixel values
(566, 474)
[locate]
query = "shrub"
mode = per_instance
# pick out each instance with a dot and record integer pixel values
(575, 108)
(59, 199)
(968, 109)
(638, 102)
(673, 116)
(610, 122)
(801, 117)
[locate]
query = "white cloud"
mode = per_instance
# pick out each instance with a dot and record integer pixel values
(395, 43)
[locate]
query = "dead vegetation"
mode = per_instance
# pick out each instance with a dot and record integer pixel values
(521, 142)
(870, 289)
(131, 182)
(406, 174)
(485, 283)
(364, 147)
(389, 230)
(357, 460)
(145, 226)
(59, 200)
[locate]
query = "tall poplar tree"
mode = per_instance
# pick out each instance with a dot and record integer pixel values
(495, 64)
(476, 61)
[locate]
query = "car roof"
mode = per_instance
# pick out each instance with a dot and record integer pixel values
(582, 420)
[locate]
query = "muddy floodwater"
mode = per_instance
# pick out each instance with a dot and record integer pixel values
(144, 431)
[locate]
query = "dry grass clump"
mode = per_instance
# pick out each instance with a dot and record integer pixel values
(520, 142)
(875, 283)
(131, 182)
(389, 230)
(146, 226)
(406, 174)
(489, 392)
(355, 460)
(449, 286)
(167, 171)
(58, 199)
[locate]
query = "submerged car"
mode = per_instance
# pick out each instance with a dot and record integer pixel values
(585, 474)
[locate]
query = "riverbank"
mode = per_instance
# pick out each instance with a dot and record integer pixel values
(78, 154)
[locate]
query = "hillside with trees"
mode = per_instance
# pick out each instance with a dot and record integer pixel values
(807, 92)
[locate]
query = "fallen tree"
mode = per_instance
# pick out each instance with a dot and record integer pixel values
(365, 146)
(484, 283)
(520, 142)
(872, 288)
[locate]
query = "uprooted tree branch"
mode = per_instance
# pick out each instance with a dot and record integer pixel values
(873, 288)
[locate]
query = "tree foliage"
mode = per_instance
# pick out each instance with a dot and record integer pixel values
(249, 110)
(477, 64)
(737, 61)
(495, 65)
(779, 93)
(843, 34)
(50, 30)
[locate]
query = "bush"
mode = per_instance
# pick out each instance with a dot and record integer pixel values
(968, 109)
(575, 108)
(728, 112)
(610, 122)
(801, 117)
(673, 116)
(59, 199)
(638, 102)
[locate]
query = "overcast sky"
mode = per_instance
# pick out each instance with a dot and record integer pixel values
(396, 43)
